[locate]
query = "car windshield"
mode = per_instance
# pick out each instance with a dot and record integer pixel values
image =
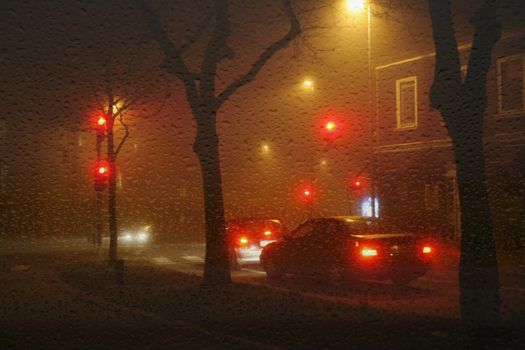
(254, 225)
(368, 227)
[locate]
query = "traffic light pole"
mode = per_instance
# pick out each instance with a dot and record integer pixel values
(97, 241)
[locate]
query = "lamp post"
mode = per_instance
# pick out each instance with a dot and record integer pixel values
(354, 6)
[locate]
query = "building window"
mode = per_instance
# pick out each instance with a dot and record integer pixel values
(511, 84)
(406, 99)
(431, 197)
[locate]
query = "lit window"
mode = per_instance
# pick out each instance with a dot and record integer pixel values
(406, 99)
(511, 84)
(366, 207)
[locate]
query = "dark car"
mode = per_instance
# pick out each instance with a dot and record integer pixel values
(346, 248)
(247, 237)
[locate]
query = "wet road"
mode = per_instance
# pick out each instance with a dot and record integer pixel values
(436, 293)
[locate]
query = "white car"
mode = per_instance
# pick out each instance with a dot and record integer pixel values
(140, 236)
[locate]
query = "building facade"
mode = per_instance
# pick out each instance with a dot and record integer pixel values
(415, 164)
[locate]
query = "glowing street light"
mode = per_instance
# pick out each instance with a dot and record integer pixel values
(355, 5)
(308, 85)
(330, 126)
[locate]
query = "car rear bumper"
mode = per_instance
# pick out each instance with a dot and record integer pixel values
(387, 270)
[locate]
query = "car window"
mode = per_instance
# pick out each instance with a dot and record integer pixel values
(364, 227)
(328, 231)
(302, 230)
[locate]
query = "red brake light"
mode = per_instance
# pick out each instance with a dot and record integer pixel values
(267, 233)
(243, 240)
(368, 252)
(426, 250)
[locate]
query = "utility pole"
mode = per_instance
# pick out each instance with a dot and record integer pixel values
(98, 237)
(100, 182)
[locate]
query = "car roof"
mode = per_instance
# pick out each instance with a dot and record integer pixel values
(249, 220)
(345, 218)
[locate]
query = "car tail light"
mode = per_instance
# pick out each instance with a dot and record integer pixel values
(426, 249)
(267, 233)
(243, 240)
(368, 252)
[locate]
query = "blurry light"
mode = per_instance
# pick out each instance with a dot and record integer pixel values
(307, 193)
(355, 5)
(265, 148)
(267, 233)
(308, 84)
(330, 126)
(101, 121)
(142, 236)
(102, 170)
(243, 240)
(127, 237)
(427, 250)
(368, 252)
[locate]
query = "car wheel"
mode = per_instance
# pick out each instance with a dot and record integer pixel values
(336, 274)
(401, 281)
(273, 270)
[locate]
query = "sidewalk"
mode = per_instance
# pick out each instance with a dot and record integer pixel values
(40, 311)
(510, 264)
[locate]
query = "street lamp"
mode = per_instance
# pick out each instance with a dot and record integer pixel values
(265, 148)
(308, 85)
(354, 6)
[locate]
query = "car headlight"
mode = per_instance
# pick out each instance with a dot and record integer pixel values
(142, 236)
(127, 237)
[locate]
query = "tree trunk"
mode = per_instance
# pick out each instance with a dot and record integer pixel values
(479, 278)
(216, 268)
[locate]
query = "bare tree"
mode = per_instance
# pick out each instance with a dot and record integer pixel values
(205, 102)
(121, 94)
(462, 106)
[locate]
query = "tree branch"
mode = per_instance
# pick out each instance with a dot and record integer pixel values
(447, 76)
(216, 50)
(173, 55)
(295, 29)
(124, 138)
(486, 35)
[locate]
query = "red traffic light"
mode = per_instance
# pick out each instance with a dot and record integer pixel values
(101, 123)
(101, 175)
(306, 193)
(331, 127)
(357, 184)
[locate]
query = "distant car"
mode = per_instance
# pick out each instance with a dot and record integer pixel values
(247, 237)
(346, 248)
(136, 236)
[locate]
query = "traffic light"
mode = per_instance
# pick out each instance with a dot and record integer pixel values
(101, 175)
(331, 128)
(101, 124)
(357, 184)
(306, 193)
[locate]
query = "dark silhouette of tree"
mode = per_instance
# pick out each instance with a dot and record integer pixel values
(119, 95)
(462, 106)
(205, 102)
